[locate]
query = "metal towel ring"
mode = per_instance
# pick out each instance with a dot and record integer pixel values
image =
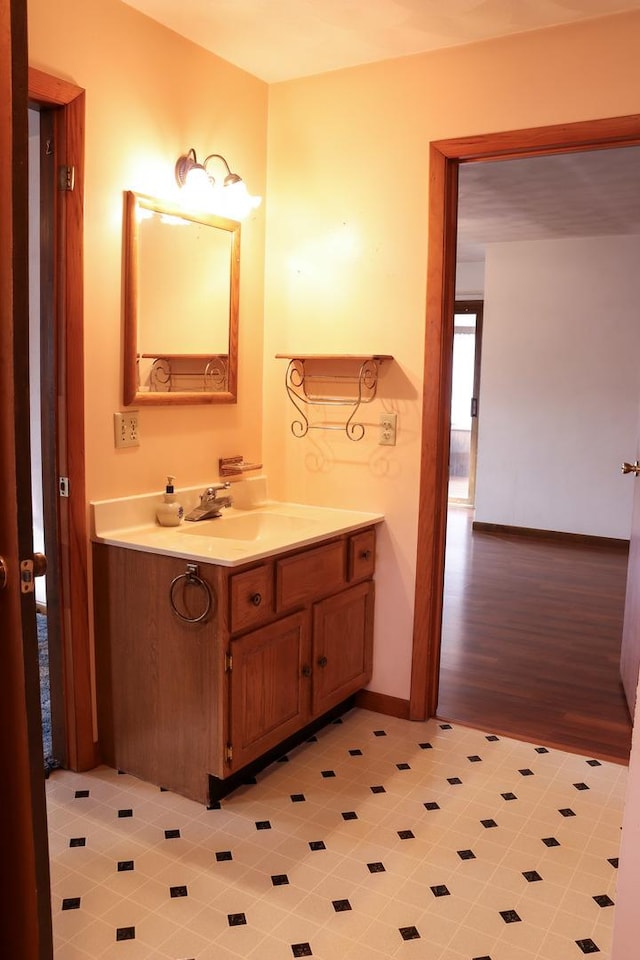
(191, 576)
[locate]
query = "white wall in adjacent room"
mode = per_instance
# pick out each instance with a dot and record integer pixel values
(560, 385)
(34, 347)
(470, 280)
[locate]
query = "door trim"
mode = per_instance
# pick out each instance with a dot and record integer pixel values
(445, 156)
(69, 100)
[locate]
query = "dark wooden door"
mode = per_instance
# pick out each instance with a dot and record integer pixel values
(24, 873)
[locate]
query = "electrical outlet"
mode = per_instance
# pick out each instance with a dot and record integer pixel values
(125, 429)
(388, 426)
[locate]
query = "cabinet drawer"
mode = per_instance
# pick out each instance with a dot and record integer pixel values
(362, 555)
(251, 597)
(313, 573)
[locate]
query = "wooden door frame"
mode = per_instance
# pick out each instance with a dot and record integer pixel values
(445, 156)
(68, 101)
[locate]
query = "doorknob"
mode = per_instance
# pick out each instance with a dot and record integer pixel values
(28, 570)
(631, 467)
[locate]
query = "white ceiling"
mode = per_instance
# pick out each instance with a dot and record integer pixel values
(282, 39)
(595, 193)
(583, 194)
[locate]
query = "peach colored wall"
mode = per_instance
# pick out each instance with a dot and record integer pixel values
(347, 247)
(150, 95)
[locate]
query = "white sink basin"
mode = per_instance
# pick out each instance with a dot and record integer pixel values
(253, 526)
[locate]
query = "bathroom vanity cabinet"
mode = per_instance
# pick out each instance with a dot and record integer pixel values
(287, 639)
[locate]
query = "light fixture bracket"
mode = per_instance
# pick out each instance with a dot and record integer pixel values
(184, 165)
(188, 162)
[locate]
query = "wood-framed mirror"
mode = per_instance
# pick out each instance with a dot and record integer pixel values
(181, 302)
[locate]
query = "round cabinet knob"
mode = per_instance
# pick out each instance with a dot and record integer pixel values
(306, 670)
(3, 574)
(365, 554)
(322, 661)
(256, 599)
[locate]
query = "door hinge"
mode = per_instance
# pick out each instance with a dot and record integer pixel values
(66, 177)
(63, 486)
(474, 406)
(228, 662)
(228, 753)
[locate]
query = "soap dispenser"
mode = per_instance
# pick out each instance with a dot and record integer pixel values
(169, 512)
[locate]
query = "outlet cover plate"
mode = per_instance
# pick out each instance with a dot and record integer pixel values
(388, 428)
(126, 431)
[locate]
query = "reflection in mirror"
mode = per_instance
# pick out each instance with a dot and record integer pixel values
(180, 305)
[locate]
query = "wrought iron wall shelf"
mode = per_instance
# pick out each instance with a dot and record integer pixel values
(207, 373)
(331, 380)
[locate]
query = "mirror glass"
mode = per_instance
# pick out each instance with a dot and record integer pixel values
(180, 304)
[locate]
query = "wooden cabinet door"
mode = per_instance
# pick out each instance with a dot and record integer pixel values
(269, 687)
(342, 645)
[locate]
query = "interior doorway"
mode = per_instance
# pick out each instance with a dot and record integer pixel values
(60, 105)
(465, 389)
(551, 264)
(445, 159)
(43, 433)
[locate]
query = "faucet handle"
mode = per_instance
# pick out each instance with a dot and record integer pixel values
(210, 493)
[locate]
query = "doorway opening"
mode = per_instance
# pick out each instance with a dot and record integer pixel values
(59, 106)
(465, 387)
(559, 388)
(445, 159)
(50, 679)
(43, 385)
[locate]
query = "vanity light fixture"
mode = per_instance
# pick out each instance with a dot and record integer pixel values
(229, 198)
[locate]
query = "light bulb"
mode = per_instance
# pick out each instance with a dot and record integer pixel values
(238, 201)
(196, 191)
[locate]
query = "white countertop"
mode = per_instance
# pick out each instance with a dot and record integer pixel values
(237, 536)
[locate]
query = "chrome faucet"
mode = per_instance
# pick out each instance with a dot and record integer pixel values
(210, 503)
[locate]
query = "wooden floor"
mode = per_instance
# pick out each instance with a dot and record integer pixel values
(531, 639)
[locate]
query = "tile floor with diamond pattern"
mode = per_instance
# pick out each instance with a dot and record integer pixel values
(378, 838)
